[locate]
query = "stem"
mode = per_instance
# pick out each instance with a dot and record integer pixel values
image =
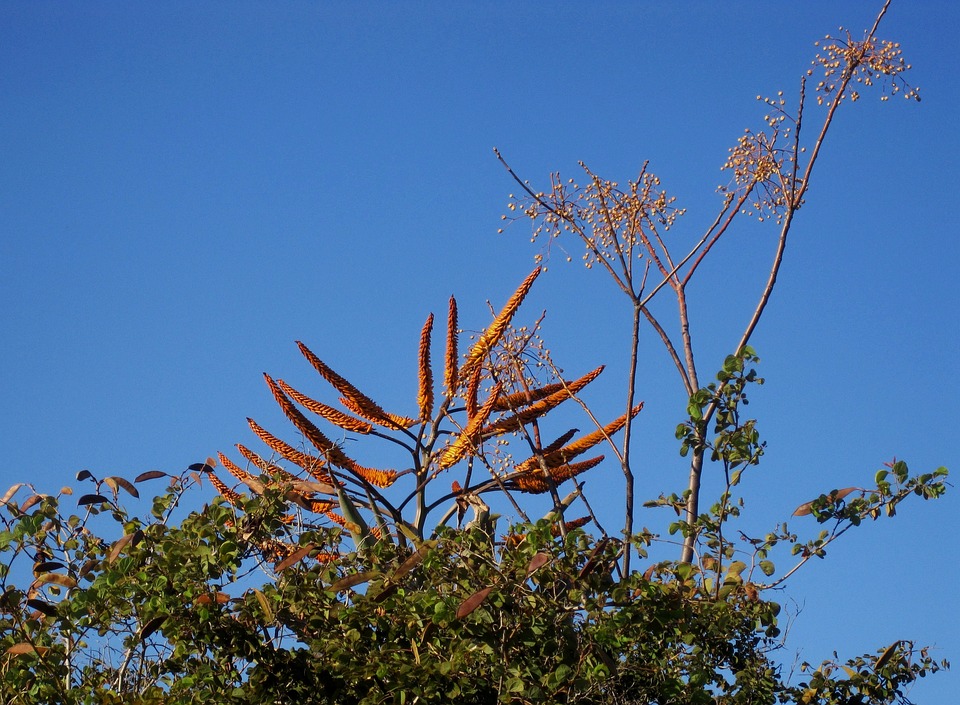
(625, 457)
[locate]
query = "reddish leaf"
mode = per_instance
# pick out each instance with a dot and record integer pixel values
(149, 475)
(44, 607)
(887, 654)
(114, 482)
(414, 560)
(56, 578)
(472, 602)
(12, 491)
(840, 494)
(215, 597)
(87, 567)
(537, 562)
(150, 626)
(91, 499)
(593, 560)
(121, 543)
(353, 579)
(294, 557)
(835, 496)
(30, 501)
(47, 566)
(25, 647)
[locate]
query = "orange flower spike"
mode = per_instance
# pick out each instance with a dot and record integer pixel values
(535, 411)
(338, 418)
(231, 496)
(450, 369)
(361, 403)
(266, 467)
(581, 445)
(311, 432)
(532, 481)
(495, 331)
(558, 444)
(246, 478)
(320, 506)
(311, 463)
(511, 402)
(425, 376)
(378, 478)
(468, 439)
(473, 388)
(382, 418)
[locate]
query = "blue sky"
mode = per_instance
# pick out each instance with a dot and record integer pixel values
(188, 188)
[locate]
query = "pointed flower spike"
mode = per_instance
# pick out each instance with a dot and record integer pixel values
(360, 403)
(311, 432)
(532, 481)
(425, 376)
(378, 478)
(516, 421)
(311, 463)
(263, 465)
(452, 354)
(469, 438)
(494, 332)
(338, 418)
(246, 478)
(381, 418)
(518, 400)
(558, 444)
(581, 445)
(473, 389)
(233, 497)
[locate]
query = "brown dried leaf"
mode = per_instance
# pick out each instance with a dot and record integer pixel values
(835, 496)
(31, 501)
(414, 560)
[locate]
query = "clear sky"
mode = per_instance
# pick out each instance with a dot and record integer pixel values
(187, 188)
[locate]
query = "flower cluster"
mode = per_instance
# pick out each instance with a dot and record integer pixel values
(865, 62)
(614, 223)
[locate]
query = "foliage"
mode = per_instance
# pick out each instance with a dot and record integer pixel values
(325, 580)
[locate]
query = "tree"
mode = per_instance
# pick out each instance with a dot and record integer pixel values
(327, 580)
